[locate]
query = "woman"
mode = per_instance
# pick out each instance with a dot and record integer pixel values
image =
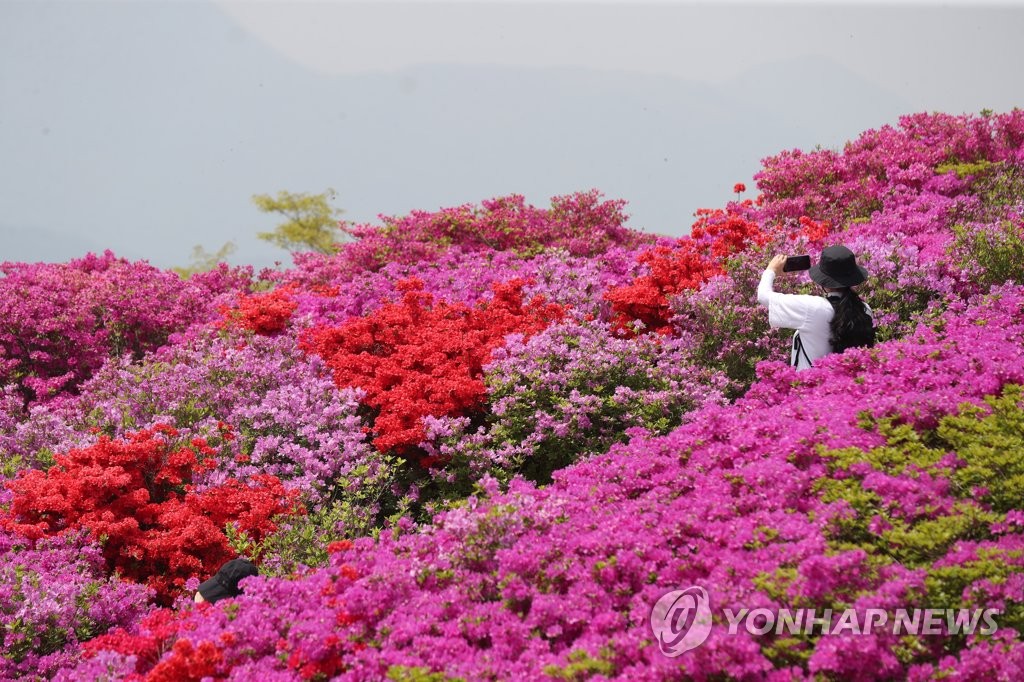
(824, 324)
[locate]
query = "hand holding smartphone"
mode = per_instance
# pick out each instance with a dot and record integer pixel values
(797, 263)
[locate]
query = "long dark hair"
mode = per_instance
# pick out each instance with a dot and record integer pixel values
(851, 325)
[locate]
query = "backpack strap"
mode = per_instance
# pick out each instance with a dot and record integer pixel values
(798, 349)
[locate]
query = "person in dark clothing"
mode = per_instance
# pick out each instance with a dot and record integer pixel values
(224, 582)
(824, 324)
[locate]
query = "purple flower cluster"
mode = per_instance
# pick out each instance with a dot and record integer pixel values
(569, 392)
(54, 594)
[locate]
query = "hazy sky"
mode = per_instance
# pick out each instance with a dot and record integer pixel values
(146, 126)
(935, 53)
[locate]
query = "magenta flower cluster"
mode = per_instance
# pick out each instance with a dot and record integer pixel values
(61, 321)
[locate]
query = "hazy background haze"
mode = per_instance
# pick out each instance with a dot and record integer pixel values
(146, 127)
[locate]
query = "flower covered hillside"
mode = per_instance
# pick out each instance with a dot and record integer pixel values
(504, 442)
(744, 500)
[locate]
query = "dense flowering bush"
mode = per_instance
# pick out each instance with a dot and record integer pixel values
(853, 184)
(581, 223)
(724, 328)
(280, 638)
(672, 271)
(571, 390)
(544, 581)
(502, 471)
(417, 359)
(990, 253)
(265, 313)
(687, 265)
(134, 495)
(57, 594)
(61, 321)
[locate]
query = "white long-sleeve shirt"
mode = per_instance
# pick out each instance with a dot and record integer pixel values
(808, 315)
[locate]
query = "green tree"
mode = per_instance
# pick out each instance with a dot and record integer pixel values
(311, 225)
(203, 260)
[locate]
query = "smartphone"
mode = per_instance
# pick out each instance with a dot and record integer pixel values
(795, 263)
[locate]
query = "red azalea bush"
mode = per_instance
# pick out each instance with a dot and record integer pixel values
(724, 232)
(149, 640)
(672, 269)
(133, 495)
(264, 313)
(417, 358)
(294, 631)
(813, 231)
(692, 261)
(187, 663)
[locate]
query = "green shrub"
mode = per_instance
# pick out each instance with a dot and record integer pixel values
(991, 253)
(301, 541)
(986, 480)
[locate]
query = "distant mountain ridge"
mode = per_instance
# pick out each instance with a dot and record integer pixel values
(150, 144)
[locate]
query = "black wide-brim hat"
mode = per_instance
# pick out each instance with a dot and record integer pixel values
(838, 269)
(224, 583)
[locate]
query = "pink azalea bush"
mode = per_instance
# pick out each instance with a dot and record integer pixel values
(583, 224)
(61, 321)
(647, 438)
(55, 595)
